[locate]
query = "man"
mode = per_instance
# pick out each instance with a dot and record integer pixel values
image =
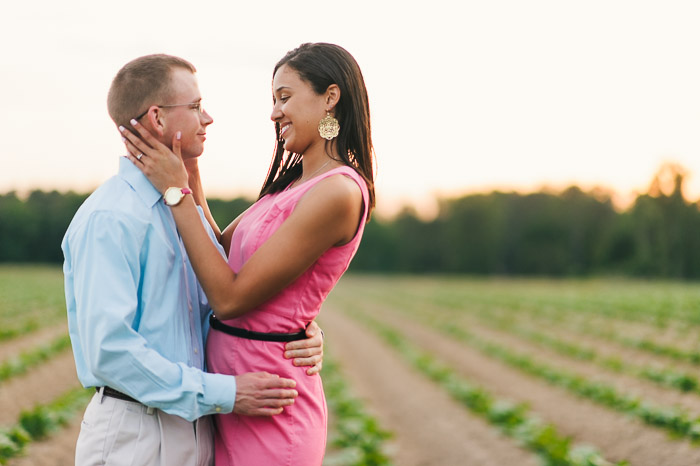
(136, 315)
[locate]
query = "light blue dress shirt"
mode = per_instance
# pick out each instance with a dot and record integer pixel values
(137, 316)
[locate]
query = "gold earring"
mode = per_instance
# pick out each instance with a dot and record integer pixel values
(328, 127)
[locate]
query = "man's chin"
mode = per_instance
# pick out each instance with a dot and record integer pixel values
(190, 156)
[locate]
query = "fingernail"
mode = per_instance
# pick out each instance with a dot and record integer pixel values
(133, 122)
(123, 139)
(287, 355)
(121, 128)
(178, 135)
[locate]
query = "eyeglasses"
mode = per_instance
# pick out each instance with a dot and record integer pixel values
(193, 106)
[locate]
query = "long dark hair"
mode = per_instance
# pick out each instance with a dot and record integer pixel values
(321, 65)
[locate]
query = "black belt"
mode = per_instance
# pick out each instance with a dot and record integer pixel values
(251, 335)
(112, 393)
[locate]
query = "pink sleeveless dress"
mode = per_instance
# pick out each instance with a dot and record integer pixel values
(298, 435)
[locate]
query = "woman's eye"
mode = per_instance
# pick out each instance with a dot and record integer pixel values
(285, 98)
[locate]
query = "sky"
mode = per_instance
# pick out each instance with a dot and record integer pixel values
(466, 96)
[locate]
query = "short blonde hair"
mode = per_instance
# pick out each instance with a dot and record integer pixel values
(141, 83)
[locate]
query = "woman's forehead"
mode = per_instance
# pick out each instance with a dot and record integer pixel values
(286, 76)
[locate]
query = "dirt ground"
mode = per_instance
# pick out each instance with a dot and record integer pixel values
(42, 385)
(615, 435)
(429, 427)
(15, 346)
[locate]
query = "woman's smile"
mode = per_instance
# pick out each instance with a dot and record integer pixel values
(284, 129)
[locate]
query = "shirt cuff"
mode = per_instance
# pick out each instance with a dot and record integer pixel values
(220, 393)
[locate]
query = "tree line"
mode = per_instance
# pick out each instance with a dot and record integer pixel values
(567, 233)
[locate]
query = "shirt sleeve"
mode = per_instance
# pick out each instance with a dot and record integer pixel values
(106, 255)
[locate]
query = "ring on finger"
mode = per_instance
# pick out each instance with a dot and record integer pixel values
(138, 156)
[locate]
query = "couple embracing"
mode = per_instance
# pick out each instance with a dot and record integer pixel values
(173, 320)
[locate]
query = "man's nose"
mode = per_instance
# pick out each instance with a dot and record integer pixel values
(207, 118)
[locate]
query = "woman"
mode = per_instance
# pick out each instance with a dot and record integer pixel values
(288, 250)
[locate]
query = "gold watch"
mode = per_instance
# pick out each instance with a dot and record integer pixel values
(172, 196)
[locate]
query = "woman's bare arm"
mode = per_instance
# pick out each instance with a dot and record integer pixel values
(195, 183)
(325, 217)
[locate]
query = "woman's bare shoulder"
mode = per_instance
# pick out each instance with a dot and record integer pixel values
(338, 192)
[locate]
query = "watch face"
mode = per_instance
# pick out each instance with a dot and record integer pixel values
(172, 196)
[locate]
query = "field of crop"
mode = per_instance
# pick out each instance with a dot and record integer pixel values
(431, 371)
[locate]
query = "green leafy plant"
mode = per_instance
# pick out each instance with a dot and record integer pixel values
(676, 420)
(513, 419)
(357, 436)
(41, 421)
(33, 357)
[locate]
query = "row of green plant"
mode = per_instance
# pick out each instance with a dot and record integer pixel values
(15, 331)
(657, 304)
(445, 297)
(33, 357)
(646, 344)
(668, 377)
(505, 321)
(40, 422)
(675, 419)
(623, 300)
(608, 330)
(356, 437)
(582, 326)
(514, 419)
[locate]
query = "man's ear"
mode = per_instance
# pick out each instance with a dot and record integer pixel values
(154, 121)
(332, 95)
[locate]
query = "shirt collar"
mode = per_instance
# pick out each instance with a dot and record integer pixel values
(138, 182)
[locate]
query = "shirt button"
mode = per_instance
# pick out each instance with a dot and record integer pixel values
(218, 409)
(196, 351)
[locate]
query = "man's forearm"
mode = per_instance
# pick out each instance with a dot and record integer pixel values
(133, 368)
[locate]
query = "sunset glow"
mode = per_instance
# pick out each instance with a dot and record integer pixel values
(465, 96)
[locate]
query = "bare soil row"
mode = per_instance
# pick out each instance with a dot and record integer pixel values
(614, 434)
(429, 427)
(41, 385)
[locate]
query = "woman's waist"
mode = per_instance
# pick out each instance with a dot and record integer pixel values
(228, 355)
(233, 328)
(273, 319)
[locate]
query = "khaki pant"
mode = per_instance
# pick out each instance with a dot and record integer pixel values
(124, 433)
